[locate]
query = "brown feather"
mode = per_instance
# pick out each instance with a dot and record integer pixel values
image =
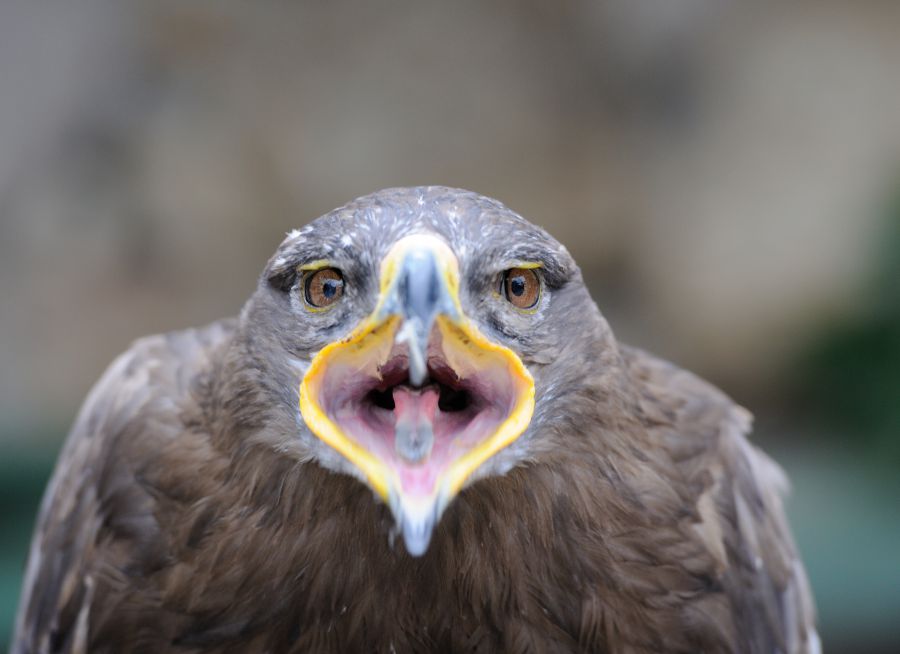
(641, 521)
(165, 531)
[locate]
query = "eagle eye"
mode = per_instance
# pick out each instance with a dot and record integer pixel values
(522, 287)
(324, 287)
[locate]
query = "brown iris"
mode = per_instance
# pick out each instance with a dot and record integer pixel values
(324, 287)
(522, 287)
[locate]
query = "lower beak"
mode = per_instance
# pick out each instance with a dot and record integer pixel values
(416, 398)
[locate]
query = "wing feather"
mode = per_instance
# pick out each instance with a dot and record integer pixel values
(740, 515)
(96, 520)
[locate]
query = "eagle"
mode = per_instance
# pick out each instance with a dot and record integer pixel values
(419, 435)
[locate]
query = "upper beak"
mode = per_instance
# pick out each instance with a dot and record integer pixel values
(413, 350)
(418, 294)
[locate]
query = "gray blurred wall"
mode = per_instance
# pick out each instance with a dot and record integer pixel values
(713, 165)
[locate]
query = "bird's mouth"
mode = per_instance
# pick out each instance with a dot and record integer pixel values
(416, 398)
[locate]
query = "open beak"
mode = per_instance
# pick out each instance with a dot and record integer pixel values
(416, 397)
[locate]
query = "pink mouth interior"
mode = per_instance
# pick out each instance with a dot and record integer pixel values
(370, 407)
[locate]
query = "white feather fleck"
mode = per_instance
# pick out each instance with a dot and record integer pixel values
(815, 645)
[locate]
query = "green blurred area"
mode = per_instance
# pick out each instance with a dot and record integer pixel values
(846, 520)
(849, 378)
(23, 475)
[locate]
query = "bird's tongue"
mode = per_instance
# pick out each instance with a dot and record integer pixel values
(415, 410)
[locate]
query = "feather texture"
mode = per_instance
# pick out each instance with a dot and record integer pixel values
(159, 533)
(183, 516)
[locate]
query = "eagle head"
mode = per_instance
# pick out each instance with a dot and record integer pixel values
(411, 333)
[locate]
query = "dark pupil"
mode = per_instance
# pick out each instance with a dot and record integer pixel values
(330, 288)
(517, 286)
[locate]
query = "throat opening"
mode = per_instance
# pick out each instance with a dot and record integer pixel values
(382, 399)
(453, 400)
(450, 400)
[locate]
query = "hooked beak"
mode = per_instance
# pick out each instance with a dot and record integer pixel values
(415, 397)
(418, 294)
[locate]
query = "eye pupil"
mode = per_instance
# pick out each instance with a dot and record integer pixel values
(522, 287)
(517, 286)
(323, 287)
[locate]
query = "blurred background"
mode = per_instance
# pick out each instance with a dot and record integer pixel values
(726, 172)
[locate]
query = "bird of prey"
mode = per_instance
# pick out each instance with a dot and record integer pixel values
(419, 435)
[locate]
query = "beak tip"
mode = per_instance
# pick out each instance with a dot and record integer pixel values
(417, 537)
(416, 521)
(415, 335)
(417, 376)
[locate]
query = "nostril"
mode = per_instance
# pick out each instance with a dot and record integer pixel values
(382, 399)
(452, 400)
